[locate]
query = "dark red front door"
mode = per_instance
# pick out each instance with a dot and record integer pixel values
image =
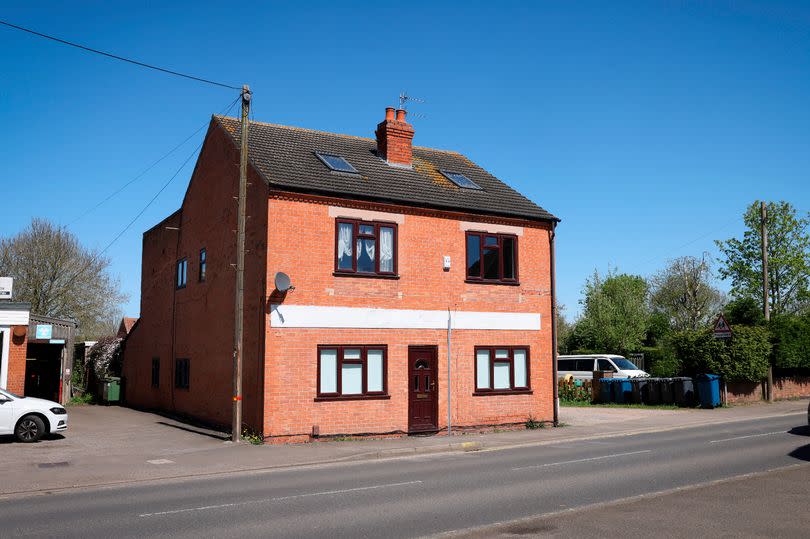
(423, 395)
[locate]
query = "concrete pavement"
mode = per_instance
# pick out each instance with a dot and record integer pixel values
(114, 445)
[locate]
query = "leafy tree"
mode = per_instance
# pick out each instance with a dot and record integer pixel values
(61, 278)
(788, 258)
(564, 330)
(683, 292)
(616, 312)
(744, 311)
(658, 329)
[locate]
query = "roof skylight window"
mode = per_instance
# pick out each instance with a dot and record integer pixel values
(336, 162)
(460, 179)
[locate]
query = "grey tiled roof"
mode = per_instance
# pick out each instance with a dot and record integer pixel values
(285, 156)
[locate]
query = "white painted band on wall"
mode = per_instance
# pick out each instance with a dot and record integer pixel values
(13, 318)
(366, 215)
(315, 316)
(491, 228)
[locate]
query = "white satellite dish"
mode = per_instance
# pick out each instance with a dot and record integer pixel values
(283, 282)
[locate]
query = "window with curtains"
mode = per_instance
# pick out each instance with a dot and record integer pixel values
(501, 369)
(365, 248)
(492, 258)
(352, 371)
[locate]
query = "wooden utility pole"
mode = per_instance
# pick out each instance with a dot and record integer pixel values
(239, 309)
(766, 309)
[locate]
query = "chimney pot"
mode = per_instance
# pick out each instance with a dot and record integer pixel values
(401, 115)
(389, 113)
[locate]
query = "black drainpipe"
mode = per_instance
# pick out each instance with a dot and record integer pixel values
(552, 263)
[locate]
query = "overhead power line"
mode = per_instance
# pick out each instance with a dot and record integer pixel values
(146, 207)
(121, 58)
(225, 111)
(148, 204)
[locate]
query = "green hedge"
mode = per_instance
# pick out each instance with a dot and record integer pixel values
(661, 361)
(744, 357)
(791, 341)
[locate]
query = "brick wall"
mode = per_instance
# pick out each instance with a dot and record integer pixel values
(16, 360)
(783, 388)
(303, 246)
(196, 322)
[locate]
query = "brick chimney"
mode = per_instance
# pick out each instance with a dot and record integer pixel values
(394, 138)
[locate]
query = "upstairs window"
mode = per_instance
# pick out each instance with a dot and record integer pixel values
(365, 248)
(460, 179)
(203, 256)
(336, 163)
(181, 273)
(492, 258)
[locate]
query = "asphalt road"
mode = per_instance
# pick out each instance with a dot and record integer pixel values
(415, 496)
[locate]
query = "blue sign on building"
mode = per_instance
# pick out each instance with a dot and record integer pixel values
(44, 331)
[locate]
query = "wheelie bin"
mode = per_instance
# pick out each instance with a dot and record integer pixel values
(708, 389)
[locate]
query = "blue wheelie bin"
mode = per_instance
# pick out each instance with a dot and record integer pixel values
(708, 389)
(622, 390)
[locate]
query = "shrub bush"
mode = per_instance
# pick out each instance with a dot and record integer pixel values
(744, 358)
(574, 391)
(661, 361)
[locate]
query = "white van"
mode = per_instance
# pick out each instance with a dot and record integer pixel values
(582, 367)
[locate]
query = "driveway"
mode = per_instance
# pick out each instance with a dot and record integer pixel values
(99, 439)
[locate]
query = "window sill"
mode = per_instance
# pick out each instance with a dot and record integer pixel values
(354, 398)
(365, 275)
(502, 283)
(503, 392)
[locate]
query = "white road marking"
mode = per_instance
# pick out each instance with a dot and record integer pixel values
(279, 498)
(160, 461)
(613, 456)
(748, 436)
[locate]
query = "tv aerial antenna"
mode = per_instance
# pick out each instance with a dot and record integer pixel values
(405, 99)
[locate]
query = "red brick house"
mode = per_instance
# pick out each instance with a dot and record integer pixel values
(385, 244)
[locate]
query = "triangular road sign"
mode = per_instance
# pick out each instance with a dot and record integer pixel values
(721, 328)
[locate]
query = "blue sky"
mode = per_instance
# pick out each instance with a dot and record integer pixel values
(646, 126)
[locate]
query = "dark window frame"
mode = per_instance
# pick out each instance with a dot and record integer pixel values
(201, 271)
(514, 281)
(182, 262)
(182, 373)
(524, 390)
(155, 372)
(365, 395)
(356, 223)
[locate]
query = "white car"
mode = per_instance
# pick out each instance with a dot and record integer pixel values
(582, 367)
(29, 419)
